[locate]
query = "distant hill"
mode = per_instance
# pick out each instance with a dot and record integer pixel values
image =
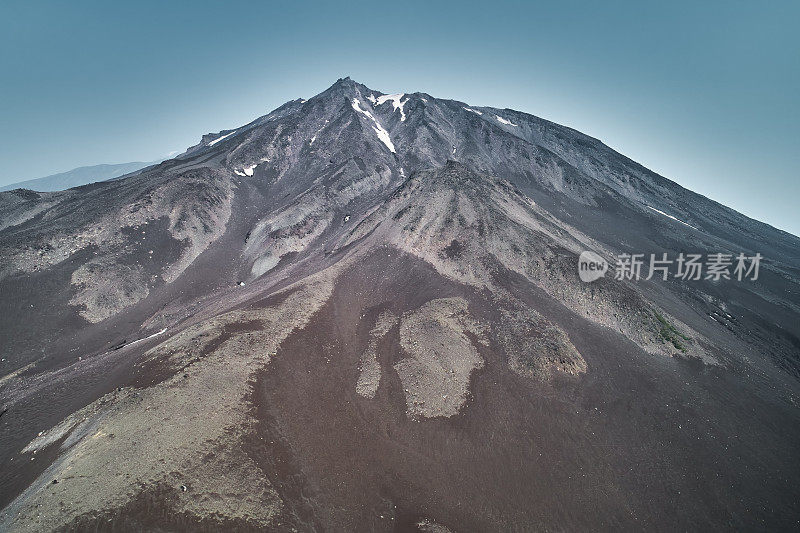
(76, 177)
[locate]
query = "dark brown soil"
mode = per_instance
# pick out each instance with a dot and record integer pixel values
(636, 443)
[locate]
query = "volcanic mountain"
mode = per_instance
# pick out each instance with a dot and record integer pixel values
(77, 177)
(363, 312)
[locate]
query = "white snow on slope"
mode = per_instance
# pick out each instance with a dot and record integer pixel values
(670, 216)
(218, 139)
(383, 135)
(314, 138)
(501, 120)
(473, 111)
(156, 334)
(248, 171)
(372, 99)
(396, 101)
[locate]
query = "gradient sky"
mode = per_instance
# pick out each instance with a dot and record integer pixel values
(706, 95)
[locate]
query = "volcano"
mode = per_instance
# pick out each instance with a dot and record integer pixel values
(363, 312)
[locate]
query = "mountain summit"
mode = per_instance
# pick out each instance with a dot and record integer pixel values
(363, 311)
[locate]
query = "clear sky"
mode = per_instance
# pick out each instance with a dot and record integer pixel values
(707, 95)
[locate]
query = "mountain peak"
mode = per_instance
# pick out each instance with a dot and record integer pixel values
(349, 82)
(344, 87)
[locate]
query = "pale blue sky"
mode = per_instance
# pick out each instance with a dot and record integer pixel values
(706, 95)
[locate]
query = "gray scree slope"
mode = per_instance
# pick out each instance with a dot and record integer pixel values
(362, 312)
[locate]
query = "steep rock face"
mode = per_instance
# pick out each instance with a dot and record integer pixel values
(363, 311)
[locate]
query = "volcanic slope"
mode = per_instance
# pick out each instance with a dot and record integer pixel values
(362, 312)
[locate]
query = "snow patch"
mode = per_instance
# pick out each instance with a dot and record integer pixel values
(248, 171)
(396, 102)
(476, 112)
(383, 135)
(501, 120)
(314, 138)
(218, 139)
(372, 99)
(156, 334)
(670, 216)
